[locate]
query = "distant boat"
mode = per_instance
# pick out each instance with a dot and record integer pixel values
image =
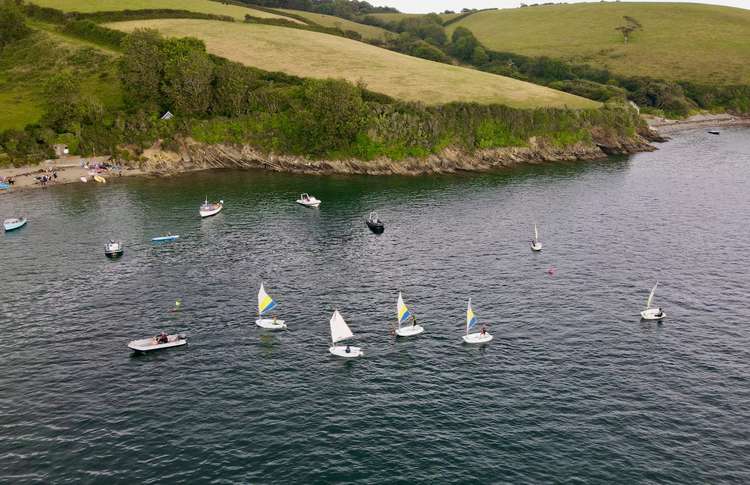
(713, 132)
(340, 331)
(652, 313)
(14, 223)
(84, 179)
(165, 238)
(536, 245)
(113, 249)
(265, 305)
(374, 223)
(471, 322)
(159, 342)
(4, 186)
(100, 179)
(403, 314)
(308, 200)
(208, 210)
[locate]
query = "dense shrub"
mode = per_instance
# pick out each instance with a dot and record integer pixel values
(12, 23)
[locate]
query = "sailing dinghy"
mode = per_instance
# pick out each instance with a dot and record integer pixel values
(308, 200)
(265, 305)
(208, 210)
(403, 314)
(652, 313)
(471, 322)
(340, 331)
(536, 245)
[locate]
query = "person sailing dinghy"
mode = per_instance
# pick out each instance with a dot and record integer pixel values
(536, 245)
(265, 305)
(341, 331)
(480, 337)
(652, 313)
(403, 314)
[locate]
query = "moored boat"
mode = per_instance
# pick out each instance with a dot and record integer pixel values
(308, 200)
(161, 341)
(374, 223)
(210, 209)
(100, 179)
(165, 238)
(113, 249)
(14, 223)
(481, 337)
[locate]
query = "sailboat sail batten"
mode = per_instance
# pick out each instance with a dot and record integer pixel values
(339, 329)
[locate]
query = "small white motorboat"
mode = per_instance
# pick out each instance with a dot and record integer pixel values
(481, 337)
(265, 305)
(211, 209)
(536, 245)
(113, 249)
(308, 200)
(14, 223)
(403, 314)
(340, 331)
(652, 313)
(161, 341)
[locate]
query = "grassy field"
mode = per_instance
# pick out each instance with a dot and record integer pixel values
(202, 6)
(25, 68)
(366, 31)
(312, 54)
(395, 17)
(679, 41)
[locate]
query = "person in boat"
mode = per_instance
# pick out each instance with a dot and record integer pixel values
(660, 313)
(162, 338)
(413, 321)
(483, 331)
(348, 350)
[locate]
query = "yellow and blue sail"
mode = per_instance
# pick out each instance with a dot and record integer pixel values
(403, 312)
(471, 319)
(265, 302)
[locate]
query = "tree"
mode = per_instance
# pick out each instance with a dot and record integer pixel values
(62, 102)
(12, 23)
(479, 57)
(188, 72)
(142, 66)
(631, 25)
(232, 84)
(463, 44)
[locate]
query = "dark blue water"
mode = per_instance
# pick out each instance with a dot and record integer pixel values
(574, 388)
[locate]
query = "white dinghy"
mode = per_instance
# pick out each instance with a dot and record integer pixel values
(210, 209)
(308, 200)
(340, 331)
(161, 341)
(481, 337)
(403, 314)
(652, 313)
(536, 245)
(265, 305)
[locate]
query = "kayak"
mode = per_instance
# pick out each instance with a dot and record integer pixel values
(14, 223)
(4, 186)
(164, 238)
(151, 343)
(100, 179)
(84, 179)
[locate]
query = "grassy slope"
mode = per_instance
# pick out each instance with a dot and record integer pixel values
(695, 42)
(366, 31)
(202, 6)
(312, 54)
(25, 67)
(395, 17)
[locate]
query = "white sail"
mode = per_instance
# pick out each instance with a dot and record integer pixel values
(651, 296)
(339, 329)
(536, 234)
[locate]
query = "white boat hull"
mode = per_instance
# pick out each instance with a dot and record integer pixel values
(271, 324)
(13, 224)
(313, 202)
(150, 344)
(477, 338)
(211, 212)
(340, 351)
(652, 314)
(409, 331)
(536, 247)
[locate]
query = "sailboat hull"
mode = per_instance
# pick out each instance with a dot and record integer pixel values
(477, 338)
(210, 210)
(536, 246)
(340, 351)
(410, 331)
(271, 324)
(652, 314)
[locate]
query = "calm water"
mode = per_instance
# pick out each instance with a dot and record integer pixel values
(574, 388)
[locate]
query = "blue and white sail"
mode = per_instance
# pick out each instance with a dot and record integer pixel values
(402, 312)
(265, 302)
(471, 319)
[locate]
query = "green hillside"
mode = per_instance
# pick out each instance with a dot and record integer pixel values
(201, 6)
(366, 31)
(679, 41)
(312, 54)
(395, 17)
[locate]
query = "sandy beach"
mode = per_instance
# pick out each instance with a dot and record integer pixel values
(68, 170)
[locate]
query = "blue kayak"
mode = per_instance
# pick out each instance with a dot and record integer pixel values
(4, 186)
(13, 224)
(164, 238)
